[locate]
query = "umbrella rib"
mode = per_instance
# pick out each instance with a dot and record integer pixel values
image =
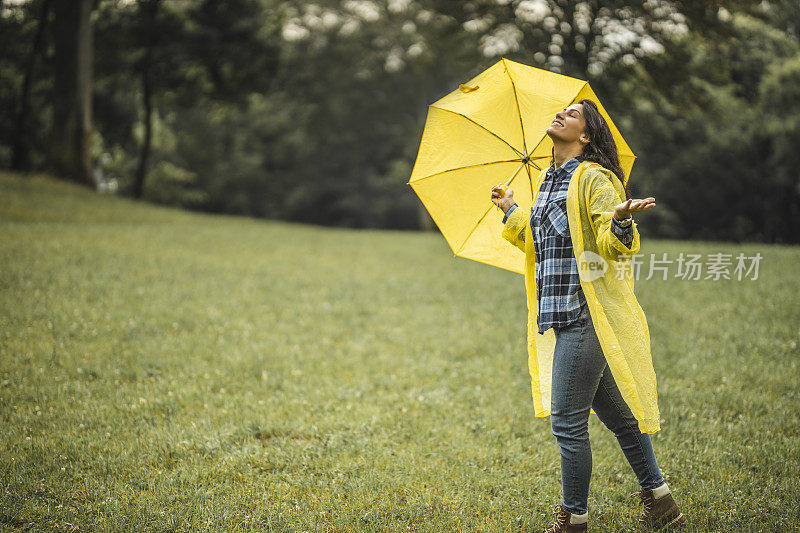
(519, 114)
(466, 240)
(462, 168)
(483, 128)
(530, 155)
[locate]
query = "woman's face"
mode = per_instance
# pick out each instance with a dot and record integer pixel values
(569, 125)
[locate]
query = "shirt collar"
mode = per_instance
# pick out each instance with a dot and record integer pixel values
(566, 169)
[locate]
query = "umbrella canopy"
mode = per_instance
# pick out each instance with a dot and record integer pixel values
(492, 129)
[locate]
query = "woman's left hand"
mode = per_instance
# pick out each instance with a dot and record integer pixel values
(625, 209)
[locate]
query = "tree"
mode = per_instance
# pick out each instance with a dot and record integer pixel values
(148, 12)
(20, 159)
(72, 105)
(713, 145)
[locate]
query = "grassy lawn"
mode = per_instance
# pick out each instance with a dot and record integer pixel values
(171, 371)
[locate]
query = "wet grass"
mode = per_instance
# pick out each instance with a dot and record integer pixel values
(170, 371)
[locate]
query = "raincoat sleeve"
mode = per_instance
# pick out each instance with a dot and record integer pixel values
(602, 199)
(514, 228)
(508, 213)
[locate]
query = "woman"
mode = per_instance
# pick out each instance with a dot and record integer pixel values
(592, 333)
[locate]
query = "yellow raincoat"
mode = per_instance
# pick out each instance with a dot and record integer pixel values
(607, 283)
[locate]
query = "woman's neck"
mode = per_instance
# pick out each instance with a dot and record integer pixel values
(564, 152)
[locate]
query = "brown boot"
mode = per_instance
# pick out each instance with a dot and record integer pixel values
(658, 513)
(562, 523)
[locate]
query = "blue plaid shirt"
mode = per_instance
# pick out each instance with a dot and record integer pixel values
(558, 284)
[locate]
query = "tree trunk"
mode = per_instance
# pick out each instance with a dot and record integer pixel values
(148, 10)
(20, 159)
(70, 154)
(144, 154)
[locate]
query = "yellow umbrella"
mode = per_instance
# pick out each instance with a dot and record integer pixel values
(492, 129)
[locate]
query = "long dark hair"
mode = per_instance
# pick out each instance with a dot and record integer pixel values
(601, 149)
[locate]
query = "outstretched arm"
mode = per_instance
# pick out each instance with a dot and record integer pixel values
(607, 215)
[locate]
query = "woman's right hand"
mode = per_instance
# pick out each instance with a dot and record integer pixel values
(503, 201)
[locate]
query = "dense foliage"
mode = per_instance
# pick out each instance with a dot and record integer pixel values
(313, 111)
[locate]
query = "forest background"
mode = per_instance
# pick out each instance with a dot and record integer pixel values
(313, 111)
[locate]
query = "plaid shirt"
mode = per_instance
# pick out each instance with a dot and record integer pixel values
(558, 285)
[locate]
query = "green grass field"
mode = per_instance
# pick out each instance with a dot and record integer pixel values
(171, 371)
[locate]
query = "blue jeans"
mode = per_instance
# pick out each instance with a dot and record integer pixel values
(582, 380)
